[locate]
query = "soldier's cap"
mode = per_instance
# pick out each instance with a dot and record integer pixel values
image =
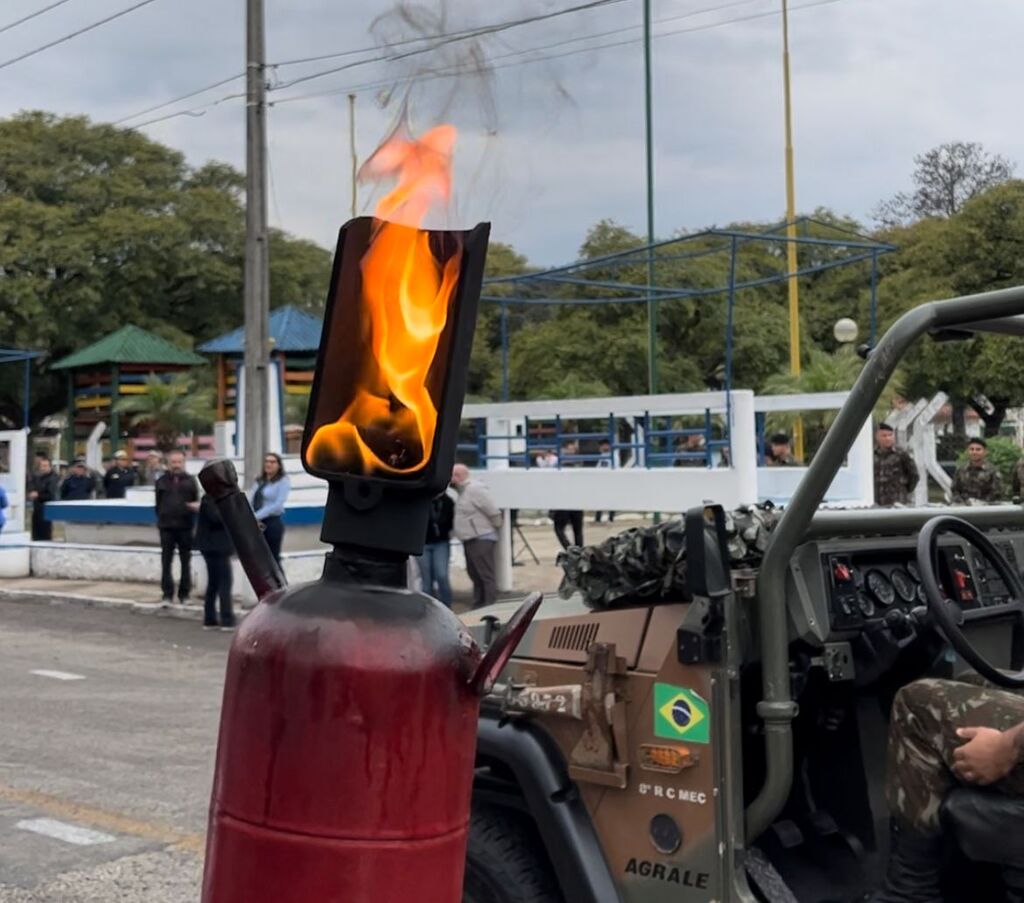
(779, 439)
(121, 454)
(977, 440)
(78, 462)
(885, 426)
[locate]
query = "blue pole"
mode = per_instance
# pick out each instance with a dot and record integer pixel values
(504, 352)
(28, 383)
(874, 298)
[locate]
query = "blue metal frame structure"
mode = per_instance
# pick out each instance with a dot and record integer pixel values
(16, 355)
(659, 444)
(524, 287)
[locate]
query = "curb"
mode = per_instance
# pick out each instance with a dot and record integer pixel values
(182, 612)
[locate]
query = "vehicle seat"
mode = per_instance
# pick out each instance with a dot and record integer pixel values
(988, 826)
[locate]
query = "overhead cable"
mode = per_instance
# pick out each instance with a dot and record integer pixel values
(75, 34)
(31, 16)
(450, 39)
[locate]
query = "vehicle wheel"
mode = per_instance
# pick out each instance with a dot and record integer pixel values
(505, 862)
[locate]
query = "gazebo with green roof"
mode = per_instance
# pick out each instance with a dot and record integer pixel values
(115, 366)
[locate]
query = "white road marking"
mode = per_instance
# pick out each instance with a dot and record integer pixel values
(59, 675)
(61, 830)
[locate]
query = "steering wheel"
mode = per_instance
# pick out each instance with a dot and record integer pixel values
(949, 617)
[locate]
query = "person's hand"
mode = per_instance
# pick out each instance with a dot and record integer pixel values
(987, 756)
(33, 495)
(192, 506)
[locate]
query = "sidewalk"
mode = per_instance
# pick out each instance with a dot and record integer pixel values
(145, 597)
(135, 597)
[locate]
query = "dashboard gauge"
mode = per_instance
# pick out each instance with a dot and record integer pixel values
(903, 584)
(915, 574)
(878, 585)
(865, 604)
(922, 596)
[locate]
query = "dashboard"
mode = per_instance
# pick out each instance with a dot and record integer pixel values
(840, 588)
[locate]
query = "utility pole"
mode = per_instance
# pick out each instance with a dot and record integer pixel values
(352, 150)
(257, 257)
(652, 304)
(791, 258)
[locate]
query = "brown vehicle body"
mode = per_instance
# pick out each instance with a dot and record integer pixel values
(770, 785)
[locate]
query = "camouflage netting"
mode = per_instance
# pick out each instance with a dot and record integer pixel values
(648, 564)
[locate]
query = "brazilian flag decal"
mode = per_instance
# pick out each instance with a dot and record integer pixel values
(680, 714)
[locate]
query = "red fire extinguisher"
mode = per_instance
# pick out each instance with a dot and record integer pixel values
(348, 732)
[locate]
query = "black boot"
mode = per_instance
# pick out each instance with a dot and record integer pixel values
(915, 868)
(1013, 881)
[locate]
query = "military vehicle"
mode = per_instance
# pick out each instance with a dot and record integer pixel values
(728, 742)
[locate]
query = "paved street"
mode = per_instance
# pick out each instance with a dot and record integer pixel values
(108, 725)
(107, 732)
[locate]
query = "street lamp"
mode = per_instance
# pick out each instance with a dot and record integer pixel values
(845, 330)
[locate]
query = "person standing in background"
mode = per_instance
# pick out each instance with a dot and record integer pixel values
(433, 563)
(118, 477)
(976, 480)
(895, 471)
(606, 462)
(177, 500)
(79, 485)
(781, 454)
(152, 470)
(477, 521)
(267, 496)
(214, 542)
(564, 518)
(43, 487)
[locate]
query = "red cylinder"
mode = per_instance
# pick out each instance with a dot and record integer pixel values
(345, 762)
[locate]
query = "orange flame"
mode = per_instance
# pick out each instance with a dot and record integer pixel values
(406, 296)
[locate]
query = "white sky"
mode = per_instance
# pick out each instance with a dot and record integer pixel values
(874, 82)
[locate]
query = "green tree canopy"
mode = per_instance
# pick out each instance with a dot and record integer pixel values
(101, 226)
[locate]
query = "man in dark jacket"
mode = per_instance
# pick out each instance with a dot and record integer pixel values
(177, 500)
(213, 541)
(43, 487)
(433, 563)
(78, 486)
(118, 477)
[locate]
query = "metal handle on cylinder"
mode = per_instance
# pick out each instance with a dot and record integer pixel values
(220, 480)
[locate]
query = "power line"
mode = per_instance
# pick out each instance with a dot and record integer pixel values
(431, 75)
(167, 103)
(451, 72)
(195, 112)
(451, 39)
(460, 34)
(75, 34)
(442, 37)
(30, 16)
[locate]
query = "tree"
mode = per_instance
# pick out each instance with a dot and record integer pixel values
(101, 226)
(975, 250)
(945, 178)
(169, 408)
(823, 372)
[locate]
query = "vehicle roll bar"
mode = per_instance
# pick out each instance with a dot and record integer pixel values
(985, 312)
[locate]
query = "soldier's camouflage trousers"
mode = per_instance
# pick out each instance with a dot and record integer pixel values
(922, 738)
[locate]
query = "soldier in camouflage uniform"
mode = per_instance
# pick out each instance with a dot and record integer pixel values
(781, 454)
(895, 471)
(1018, 479)
(977, 480)
(945, 733)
